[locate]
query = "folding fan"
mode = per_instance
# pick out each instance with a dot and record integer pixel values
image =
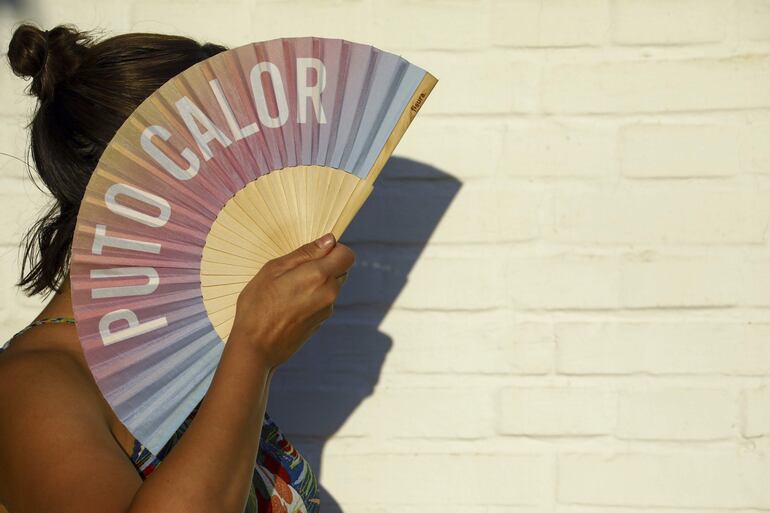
(237, 160)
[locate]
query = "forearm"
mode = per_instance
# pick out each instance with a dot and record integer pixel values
(210, 468)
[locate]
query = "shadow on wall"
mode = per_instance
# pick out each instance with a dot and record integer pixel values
(314, 393)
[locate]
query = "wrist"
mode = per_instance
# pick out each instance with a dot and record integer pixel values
(244, 346)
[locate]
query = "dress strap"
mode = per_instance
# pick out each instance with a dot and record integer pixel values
(44, 320)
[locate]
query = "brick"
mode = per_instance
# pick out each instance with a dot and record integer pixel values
(670, 214)
(563, 148)
(700, 479)
(436, 479)
(479, 82)
(441, 24)
(756, 421)
(753, 275)
(23, 203)
(556, 411)
(454, 283)
(677, 414)
(562, 282)
(16, 102)
(754, 150)
(684, 282)
(225, 24)
(347, 19)
(402, 278)
(447, 211)
(653, 150)
(463, 149)
(669, 22)
(432, 412)
(678, 347)
(754, 19)
(436, 342)
(556, 23)
(571, 508)
(657, 86)
(14, 138)
(445, 508)
(111, 16)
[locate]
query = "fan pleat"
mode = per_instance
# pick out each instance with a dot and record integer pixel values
(169, 248)
(211, 171)
(132, 167)
(328, 132)
(349, 154)
(136, 259)
(241, 160)
(155, 417)
(240, 98)
(193, 85)
(145, 305)
(271, 146)
(172, 276)
(290, 137)
(178, 346)
(383, 84)
(188, 320)
(172, 230)
(356, 93)
(257, 194)
(209, 184)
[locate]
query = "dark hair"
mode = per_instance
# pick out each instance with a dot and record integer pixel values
(86, 90)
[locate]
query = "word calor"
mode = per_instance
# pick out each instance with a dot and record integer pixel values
(194, 118)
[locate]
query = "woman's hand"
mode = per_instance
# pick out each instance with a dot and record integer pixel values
(290, 297)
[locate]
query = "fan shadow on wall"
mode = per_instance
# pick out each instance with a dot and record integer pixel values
(314, 393)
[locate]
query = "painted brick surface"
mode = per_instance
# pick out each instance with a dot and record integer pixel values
(561, 301)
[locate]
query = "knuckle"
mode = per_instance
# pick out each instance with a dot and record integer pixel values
(270, 267)
(317, 274)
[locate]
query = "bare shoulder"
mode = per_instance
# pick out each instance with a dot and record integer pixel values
(44, 380)
(56, 447)
(50, 372)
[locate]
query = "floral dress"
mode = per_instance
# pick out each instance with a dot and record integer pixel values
(282, 482)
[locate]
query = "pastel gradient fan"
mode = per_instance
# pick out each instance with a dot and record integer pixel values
(239, 159)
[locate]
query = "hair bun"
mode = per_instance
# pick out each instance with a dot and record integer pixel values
(48, 57)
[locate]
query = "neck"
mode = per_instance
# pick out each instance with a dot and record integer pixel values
(60, 304)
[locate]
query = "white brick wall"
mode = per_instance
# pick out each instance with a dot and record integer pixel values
(587, 329)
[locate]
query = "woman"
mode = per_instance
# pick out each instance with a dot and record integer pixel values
(62, 448)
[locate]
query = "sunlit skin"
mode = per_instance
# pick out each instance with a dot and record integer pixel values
(63, 449)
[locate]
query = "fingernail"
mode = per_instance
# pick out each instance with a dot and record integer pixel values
(325, 241)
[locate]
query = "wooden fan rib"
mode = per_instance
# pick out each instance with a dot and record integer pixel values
(235, 228)
(225, 246)
(250, 201)
(298, 201)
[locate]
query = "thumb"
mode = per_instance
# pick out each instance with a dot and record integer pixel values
(310, 251)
